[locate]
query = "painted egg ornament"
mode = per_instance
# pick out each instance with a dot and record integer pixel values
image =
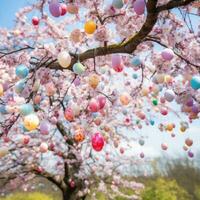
(25, 139)
(117, 64)
(189, 102)
(79, 135)
(31, 122)
(125, 99)
(55, 8)
(26, 109)
(141, 142)
(155, 102)
(118, 4)
(93, 105)
(78, 68)
(44, 128)
(141, 155)
(164, 146)
(195, 82)
(164, 111)
(139, 7)
(63, 8)
(136, 61)
(35, 21)
(22, 71)
(43, 147)
(72, 9)
(94, 81)
(69, 114)
(64, 59)
(169, 127)
(169, 95)
(167, 54)
(90, 27)
(1, 90)
(135, 76)
(102, 101)
(3, 151)
(152, 122)
(190, 154)
(76, 36)
(97, 142)
(20, 86)
(189, 142)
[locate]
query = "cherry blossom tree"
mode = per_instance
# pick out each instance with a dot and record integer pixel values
(79, 73)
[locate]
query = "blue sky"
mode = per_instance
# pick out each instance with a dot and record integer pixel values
(8, 9)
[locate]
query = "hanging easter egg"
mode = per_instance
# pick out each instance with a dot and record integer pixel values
(189, 142)
(37, 99)
(64, 59)
(43, 147)
(76, 35)
(155, 102)
(97, 142)
(139, 7)
(167, 54)
(117, 64)
(136, 61)
(44, 128)
(25, 139)
(189, 102)
(1, 90)
(118, 4)
(169, 95)
(63, 8)
(169, 127)
(195, 82)
(3, 151)
(141, 142)
(35, 21)
(78, 68)
(90, 27)
(121, 150)
(135, 76)
(190, 154)
(31, 122)
(164, 146)
(141, 155)
(69, 114)
(152, 122)
(26, 109)
(94, 81)
(102, 101)
(20, 86)
(3, 110)
(125, 99)
(72, 9)
(164, 111)
(93, 105)
(54, 8)
(79, 135)
(22, 71)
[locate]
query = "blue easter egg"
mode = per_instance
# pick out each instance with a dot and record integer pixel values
(152, 122)
(141, 142)
(195, 82)
(95, 114)
(22, 71)
(19, 86)
(26, 109)
(3, 110)
(136, 61)
(118, 3)
(135, 76)
(78, 68)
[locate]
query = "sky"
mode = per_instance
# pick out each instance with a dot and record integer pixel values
(8, 8)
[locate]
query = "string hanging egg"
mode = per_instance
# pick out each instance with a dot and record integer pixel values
(64, 59)
(90, 27)
(97, 142)
(31, 122)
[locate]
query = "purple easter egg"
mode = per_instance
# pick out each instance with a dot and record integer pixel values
(77, 82)
(190, 154)
(44, 128)
(55, 8)
(167, 54)
(189, 102)
(116, 60)
(139, 7)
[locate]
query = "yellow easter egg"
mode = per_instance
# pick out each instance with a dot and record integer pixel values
(31, 122)
(94, 81)
(90, 27)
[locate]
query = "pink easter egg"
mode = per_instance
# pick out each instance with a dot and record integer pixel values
(43, 147)
(44, 128)
(139, 7)
(93, 106)
(25, 139)
(69, 114)
(101, 101)
(167, 54)
(97, 142)
(117, 64)
(164, 146)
